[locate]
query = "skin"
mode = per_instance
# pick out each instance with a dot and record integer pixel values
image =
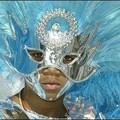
(32, 101)
(41, 106)
(52, 76)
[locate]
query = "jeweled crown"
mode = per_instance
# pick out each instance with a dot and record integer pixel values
(54, 38)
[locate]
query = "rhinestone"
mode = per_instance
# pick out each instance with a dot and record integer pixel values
(61, 38)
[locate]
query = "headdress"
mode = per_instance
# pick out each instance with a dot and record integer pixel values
(94, 21)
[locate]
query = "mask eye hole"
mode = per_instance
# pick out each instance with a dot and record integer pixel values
(69, 59)
(36, 55)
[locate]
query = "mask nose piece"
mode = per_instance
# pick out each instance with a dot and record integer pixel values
(52, 57)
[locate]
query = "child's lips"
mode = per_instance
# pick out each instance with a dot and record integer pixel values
(51, 86)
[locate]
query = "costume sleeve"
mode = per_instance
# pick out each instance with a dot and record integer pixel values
(9, 110)
(78, 107)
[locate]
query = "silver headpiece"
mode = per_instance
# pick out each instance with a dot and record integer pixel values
(54, 38)
(58, 46)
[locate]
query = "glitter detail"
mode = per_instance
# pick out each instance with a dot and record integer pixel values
(54, 38)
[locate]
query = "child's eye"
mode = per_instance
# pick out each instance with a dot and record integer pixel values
(68, 59)
(36, 55)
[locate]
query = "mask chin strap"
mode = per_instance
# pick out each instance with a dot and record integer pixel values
(67, 85)
(34, 81)
(36, 86)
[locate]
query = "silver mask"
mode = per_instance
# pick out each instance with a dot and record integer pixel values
(66, 51)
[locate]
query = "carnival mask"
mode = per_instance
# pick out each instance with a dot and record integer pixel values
(64, 50)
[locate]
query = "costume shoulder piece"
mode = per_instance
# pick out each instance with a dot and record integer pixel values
(77, 107)
(9, 110)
